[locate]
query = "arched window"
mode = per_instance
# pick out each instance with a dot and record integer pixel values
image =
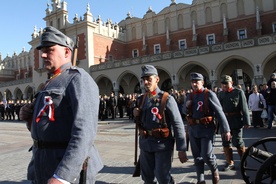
(180, 21)
(144, 30)
(133, 33)
(223, 10)
(194, 16)
(167, 24)
(155, 27)
(240, 7)
(208, 15)
(259, 4)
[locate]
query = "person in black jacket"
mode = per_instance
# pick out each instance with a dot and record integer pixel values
(271, 103)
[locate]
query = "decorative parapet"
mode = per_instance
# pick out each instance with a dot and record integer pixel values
(248, 43)
(203, 50)
(264, 40)
(217, 48)
(232, 45)
(156, 57)
(191, 52)
(16, 82)
(178, 54)
(167, 55)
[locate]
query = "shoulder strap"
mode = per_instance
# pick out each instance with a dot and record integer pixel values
(163, 102)
(143, 100)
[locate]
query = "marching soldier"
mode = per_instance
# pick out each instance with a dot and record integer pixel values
(234, 104)
(202, 105)
(156, 139)
(63, 118)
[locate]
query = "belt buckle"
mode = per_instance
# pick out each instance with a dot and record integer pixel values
(197, 121)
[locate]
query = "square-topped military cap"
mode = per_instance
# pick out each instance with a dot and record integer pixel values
(196, 76)
(148, 70)
(51, 36)
(226, 78)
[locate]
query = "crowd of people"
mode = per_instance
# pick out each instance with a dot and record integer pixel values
(10, 111)
(112, 106)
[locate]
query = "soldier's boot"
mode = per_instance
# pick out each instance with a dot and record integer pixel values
(229, 159)
(215, 177)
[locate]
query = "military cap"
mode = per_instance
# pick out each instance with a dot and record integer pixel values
(51, 36)
(226, 78)
(196, 76)
(148, 70)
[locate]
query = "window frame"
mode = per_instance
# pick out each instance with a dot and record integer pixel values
(208, 41)
(135, 53)
(241, 37)
(180, 45)
(157, 48)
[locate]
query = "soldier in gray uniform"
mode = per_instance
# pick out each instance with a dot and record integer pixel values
(158, 131)
(63, 120)
(202, 105)
(234, 104)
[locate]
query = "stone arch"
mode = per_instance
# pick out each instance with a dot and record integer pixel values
(129, 83)
(268, 66)
(165, 82)
(105, 84)
(18, 95)
(230, 65)
(184, 74)
(8, 95)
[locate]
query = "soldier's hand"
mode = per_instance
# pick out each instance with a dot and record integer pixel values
(26, 114)
(182, 155)
(136, 112)
(227, 136)
(188, 104)
(246, 126)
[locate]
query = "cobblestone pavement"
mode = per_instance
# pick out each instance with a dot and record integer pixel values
(115, 142)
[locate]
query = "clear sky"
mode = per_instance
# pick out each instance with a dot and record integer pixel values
(19, 17)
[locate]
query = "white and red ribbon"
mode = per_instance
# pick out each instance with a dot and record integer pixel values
(48, 103)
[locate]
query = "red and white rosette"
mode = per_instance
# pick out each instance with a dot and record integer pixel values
(48, 103)
(199, 105)
(155, 112)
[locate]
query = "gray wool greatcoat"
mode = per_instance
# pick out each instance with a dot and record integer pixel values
(75, 96)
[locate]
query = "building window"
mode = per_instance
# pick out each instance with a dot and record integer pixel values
(242, 34)
(135, 53)
(210, 39)
(157, 49)
(182, 44)
(274, 28)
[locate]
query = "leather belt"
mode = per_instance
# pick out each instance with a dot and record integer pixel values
(49, 145)
(208, 120)
(232, 113)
